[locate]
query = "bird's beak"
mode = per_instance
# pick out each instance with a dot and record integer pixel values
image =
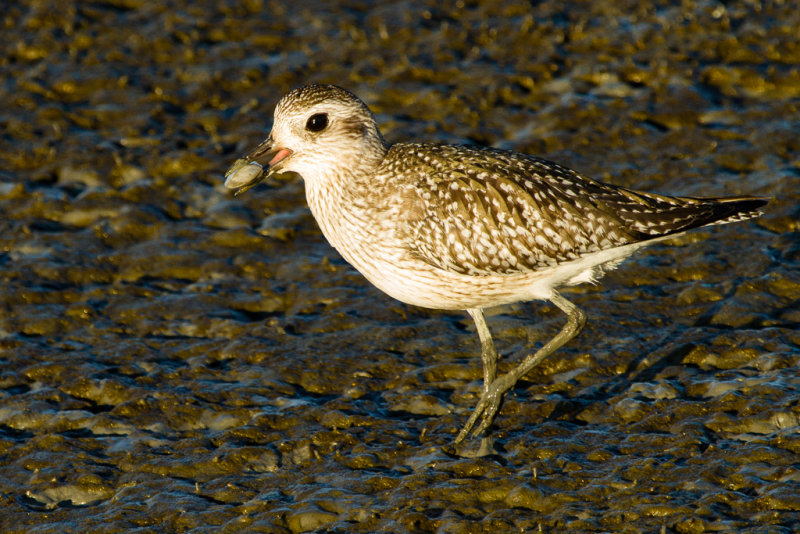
(255, 167)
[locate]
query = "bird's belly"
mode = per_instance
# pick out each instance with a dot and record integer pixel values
(416, 282)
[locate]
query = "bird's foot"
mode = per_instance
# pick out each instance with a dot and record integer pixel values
(486, 408)
(464, 450)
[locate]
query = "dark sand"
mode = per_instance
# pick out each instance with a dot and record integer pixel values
(173, 359)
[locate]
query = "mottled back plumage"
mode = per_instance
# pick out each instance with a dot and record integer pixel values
(481, 211)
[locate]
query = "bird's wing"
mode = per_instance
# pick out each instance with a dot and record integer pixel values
(481, 212)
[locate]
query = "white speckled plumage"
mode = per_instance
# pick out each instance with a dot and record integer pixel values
(455, 227)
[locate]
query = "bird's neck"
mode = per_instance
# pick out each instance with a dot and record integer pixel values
(347, 204)
(347, 179)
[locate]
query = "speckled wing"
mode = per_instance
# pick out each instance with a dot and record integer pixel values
(484, 211)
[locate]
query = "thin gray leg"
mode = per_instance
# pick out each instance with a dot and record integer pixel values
(489, 359)
(488, 352)
(490, 400)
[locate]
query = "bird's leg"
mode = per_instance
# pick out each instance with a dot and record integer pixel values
(488, 352)
(490, 400)
(489, 359)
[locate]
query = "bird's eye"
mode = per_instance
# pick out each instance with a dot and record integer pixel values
(317, 123)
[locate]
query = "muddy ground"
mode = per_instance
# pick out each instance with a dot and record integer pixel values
(173, 359)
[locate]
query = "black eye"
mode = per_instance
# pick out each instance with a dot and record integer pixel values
(317, 123)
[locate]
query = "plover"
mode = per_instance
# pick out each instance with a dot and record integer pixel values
(462, 227)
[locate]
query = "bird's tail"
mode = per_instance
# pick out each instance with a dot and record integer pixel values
(733, 209)
(660, 215)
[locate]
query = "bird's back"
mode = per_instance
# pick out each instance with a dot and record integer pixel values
(480, 211)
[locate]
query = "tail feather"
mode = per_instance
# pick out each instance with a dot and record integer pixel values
(733, 209)
(661, 215)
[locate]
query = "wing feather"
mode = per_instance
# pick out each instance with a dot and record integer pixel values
(485, 211)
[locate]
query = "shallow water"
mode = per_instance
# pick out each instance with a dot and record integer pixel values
(175, 359)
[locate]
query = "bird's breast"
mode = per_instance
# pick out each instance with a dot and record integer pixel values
(350, 223)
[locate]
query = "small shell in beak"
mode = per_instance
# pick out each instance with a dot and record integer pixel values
(243, 173)
(252, 169)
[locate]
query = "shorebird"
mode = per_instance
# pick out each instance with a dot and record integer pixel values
(462, 227)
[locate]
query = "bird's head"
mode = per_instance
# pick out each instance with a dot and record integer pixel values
(318, 131)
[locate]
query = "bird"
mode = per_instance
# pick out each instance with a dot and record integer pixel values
(457, 227)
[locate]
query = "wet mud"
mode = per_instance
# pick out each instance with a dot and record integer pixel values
(173, 359)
